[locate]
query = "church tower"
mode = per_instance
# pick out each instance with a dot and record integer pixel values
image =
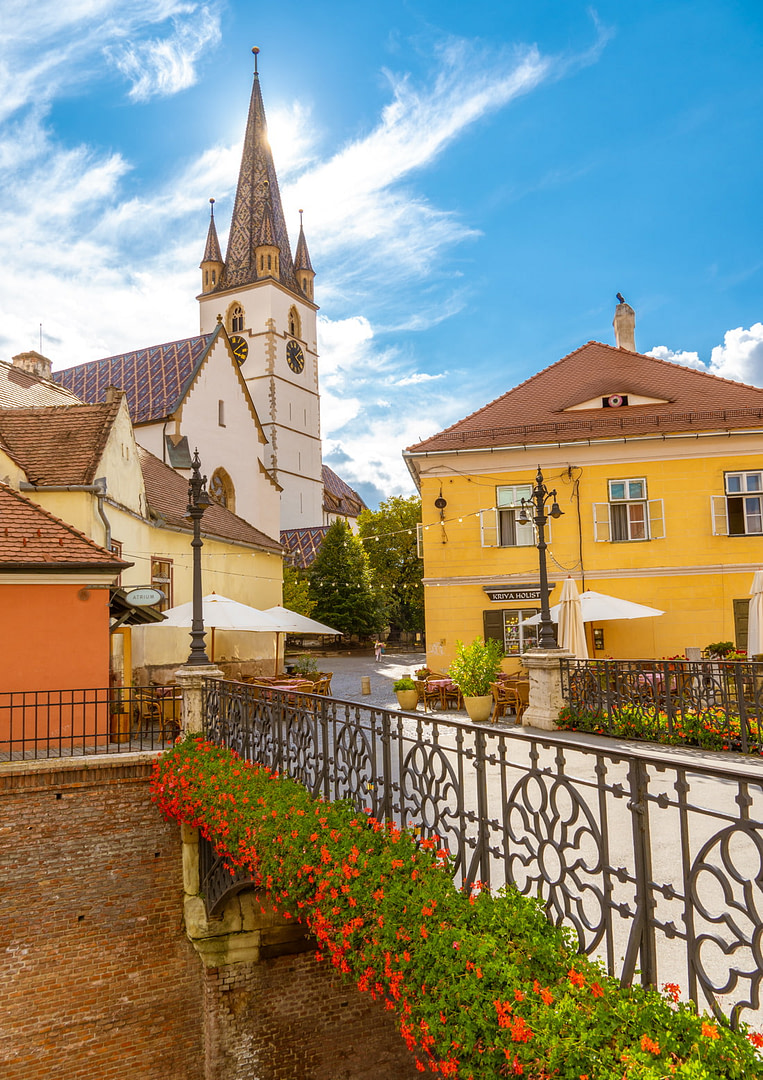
(265, 298)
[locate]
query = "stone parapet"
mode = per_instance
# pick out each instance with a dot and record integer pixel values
(191, 681)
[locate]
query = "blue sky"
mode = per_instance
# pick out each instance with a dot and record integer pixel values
(478, 182)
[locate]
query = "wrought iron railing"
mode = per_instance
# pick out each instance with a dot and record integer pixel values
(653, 856)
(71, 723)
(713, 704)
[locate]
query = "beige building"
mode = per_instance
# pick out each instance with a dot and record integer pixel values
(82, 464)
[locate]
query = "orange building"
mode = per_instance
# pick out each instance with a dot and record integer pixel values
(54, 601)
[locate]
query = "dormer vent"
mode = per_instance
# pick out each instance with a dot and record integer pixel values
(614, 401)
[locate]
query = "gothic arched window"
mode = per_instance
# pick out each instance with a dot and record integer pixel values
(237, 319)
(295, 326)
(221, 489)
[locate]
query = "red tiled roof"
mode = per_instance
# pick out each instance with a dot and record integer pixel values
(31, 538)
(154, 379)
(21, 389)
(60, 444)
(303, 545)
(167, 497)
(533, 412)
(339, 497)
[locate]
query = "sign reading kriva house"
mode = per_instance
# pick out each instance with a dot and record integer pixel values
(144, 597)
(528, 591)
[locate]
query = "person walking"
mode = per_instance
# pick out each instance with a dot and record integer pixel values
(378, 647)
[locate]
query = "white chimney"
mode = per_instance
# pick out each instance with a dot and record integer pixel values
(624, 323)
(34, 364)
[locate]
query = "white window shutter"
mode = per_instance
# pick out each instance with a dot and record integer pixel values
(420, 540)
(656, 510)
(526, 534)
(720, 517)
(489, 533)
(601, 521)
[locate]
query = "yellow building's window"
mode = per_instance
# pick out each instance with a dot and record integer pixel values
(500, 526)
(744, 503)
(629, 515)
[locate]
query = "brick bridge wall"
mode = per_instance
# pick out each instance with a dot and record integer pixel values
(98, 978)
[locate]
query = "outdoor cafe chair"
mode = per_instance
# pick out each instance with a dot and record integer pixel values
(505, 697)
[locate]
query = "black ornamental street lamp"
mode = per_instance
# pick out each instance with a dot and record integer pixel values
(540, 496)
(198, 501)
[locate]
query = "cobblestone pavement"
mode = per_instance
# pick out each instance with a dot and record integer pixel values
(349, 669)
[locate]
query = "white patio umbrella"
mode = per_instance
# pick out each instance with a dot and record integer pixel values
(598, 607)
(222, 613)
(571, 629)
(755, 619)
(294, 623)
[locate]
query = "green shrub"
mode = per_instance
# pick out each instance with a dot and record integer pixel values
(403, 684)
(476, 666)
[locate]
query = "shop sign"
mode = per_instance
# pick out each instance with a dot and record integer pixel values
(144, 597)
(528, 591)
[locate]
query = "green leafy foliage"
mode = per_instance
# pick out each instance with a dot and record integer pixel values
(296, 591)
(340, 585)
(403, 684)
(389, 536)
(482, 986)
(475, 666)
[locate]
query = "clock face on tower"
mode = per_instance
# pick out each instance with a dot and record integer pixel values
(240, 347)
(294, 356)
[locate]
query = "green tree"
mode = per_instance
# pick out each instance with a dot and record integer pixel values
(296, 591)
(389, 536)
(340, 585)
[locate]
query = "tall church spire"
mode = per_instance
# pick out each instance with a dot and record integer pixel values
(256, 194)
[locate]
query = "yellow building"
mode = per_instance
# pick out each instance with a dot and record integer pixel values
(658, 471)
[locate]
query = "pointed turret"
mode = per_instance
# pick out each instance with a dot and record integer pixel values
(212, 261)
(266, 250)
(302, 264)
(257, 187)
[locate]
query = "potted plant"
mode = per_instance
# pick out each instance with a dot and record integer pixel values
(475, 667)
(406, 693)
(306, 666)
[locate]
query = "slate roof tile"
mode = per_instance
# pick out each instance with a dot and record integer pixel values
(154, 379)
(339, 497)
(303, 545)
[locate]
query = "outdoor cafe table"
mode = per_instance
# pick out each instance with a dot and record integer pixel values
(443, 685)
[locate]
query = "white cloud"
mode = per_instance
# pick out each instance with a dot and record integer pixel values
(688, 359)
(166, 65)
(419, 377)
(739, 358)
(741, 355)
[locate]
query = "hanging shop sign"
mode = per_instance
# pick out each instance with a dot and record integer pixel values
(144, 597)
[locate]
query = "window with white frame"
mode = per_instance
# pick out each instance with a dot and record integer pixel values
(739, 512)
(508, 627)
(500, 525)
(628, 515)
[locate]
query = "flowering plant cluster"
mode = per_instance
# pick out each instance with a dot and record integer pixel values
(482, 986)
(710, 729)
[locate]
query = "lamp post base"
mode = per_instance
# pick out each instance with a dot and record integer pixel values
(546, 699)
